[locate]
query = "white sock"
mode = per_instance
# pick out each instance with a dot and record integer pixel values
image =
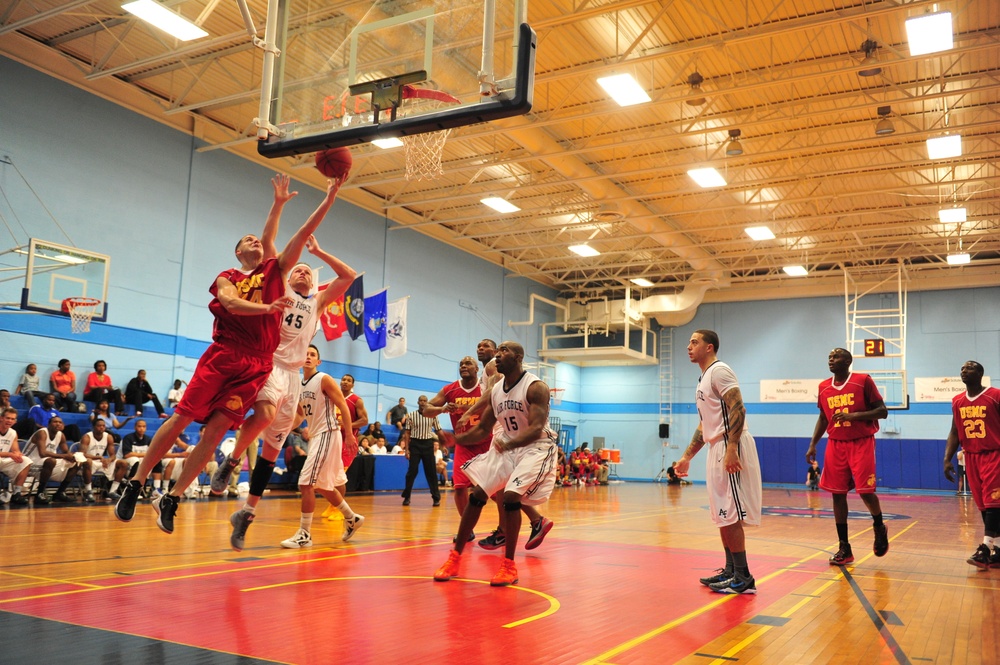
(88, 488)
(247, 508)
(114, 486)
(157, 484)
(306, 522)
(18, 489)
(345, 510)
(989, 542)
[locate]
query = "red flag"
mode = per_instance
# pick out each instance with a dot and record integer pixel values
(332, 319)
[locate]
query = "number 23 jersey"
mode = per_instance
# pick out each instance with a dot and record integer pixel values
(977, 420)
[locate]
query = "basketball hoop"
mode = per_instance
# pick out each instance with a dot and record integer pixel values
(556, 395)
(423, 151)
(81, 311)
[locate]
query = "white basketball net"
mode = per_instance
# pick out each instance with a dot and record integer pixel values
(80, 314)
(423, 154)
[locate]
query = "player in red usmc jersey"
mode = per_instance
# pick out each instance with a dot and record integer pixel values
(850, 408)
(247, 305)
(455, 399)
(975, 424)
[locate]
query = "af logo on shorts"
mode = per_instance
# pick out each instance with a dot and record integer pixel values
(871, 481)
(723, 512)
(234, 403)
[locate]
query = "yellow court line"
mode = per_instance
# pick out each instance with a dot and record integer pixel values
(727, 657)
(627, 646)
(227, 571)
(51, 580)
(554, 604)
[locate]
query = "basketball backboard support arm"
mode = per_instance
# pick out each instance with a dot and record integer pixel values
(387, 92)
(271, 52)
(516, 102)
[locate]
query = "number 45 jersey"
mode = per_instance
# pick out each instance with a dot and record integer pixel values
(298, 327)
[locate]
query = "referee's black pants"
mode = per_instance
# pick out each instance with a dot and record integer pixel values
(422, 450)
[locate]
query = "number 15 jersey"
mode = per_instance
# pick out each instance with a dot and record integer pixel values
(977, 420)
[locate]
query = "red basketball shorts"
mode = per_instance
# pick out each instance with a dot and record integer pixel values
(225, 380)
(983, 472)
(849, 465)
(462, 455)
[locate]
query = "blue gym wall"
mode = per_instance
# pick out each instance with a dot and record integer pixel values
(169, 216)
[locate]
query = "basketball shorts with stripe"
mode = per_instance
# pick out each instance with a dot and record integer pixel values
(734, 497)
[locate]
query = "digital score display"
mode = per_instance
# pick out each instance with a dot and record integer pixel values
(874, 348)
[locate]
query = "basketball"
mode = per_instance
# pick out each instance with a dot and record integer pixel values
(335, 162)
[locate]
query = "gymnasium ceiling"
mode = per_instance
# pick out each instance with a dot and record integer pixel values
(582, 169)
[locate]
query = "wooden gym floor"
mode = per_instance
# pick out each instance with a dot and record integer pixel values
(614, 582)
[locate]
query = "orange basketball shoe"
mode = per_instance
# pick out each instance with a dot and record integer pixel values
(506, 575)
(450, 567)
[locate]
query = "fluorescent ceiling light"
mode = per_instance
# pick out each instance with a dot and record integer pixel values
(951, 215)
(795, 271)
(159, 16)
(943, 147)
(759, 233)
(385, 144)
(929, 33)
(583, 250)
(641, 281)
(499, 204)
(707, 177)
(624, 89)
(959, 259)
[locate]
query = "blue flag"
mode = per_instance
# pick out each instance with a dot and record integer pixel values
(354, 307)
(375, 317)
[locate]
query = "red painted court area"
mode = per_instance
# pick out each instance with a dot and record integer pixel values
(379, 604)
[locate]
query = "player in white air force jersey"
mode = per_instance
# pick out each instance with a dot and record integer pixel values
(323, 470)
(732, 470)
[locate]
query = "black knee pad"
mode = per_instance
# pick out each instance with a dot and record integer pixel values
(476, 501)
(512, 506)
(991, 520)
(261, 476)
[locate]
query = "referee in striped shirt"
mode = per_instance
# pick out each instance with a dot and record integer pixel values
(420, 448)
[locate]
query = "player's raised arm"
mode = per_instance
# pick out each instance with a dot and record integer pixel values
(289, 256)
(282, 196)
(345, 274)
(229, 297)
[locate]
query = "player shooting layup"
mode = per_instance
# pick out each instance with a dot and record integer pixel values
(277, 403)
(247, 304)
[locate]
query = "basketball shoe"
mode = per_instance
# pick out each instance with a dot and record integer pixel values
(741, 584)
(843, 556)
(449, 569)
(125, 508)
(881, 540)
(241, 521)
(300, 539)
(351, 526)
(507, 574)
(165, 507)
(981, 557)
(494, 541)
(995, 558)
(720, 575)
(220, 479)
(538, 532)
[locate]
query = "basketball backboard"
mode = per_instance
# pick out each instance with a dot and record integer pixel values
(340, 61)
(56, 272)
